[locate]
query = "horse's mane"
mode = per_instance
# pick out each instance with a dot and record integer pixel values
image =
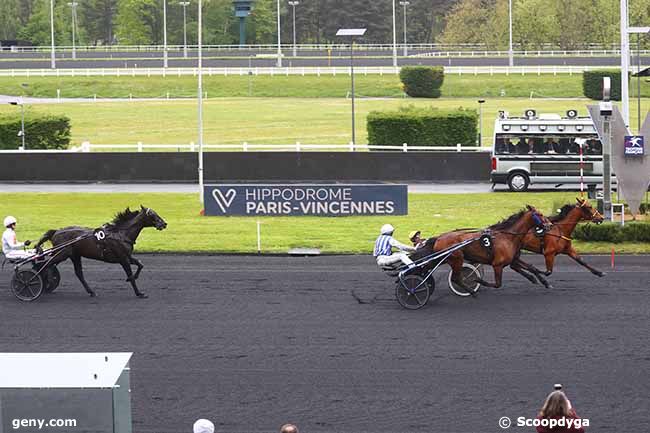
(125, 216)
(509, 221)
(564, 211)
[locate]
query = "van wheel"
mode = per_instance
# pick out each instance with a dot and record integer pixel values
(518, 182)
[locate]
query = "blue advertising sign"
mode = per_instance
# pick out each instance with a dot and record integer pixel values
(302, 200)
(634, 145)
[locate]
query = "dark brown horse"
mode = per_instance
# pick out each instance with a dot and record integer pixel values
(113, 243)
(557, 240)
(505, 246)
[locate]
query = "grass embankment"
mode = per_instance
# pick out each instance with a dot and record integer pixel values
(189, 232)
(294, 86)
(262, 120)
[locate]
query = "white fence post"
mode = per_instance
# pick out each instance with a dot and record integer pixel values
(351, 146)
(191, 146)
(85, 146)
(139, 146)
(245, 146)
(405, 147)
(459, 148)
(298, 148)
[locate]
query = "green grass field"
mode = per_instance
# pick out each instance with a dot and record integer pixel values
(189, 232)
(295, 86)
(263, 120)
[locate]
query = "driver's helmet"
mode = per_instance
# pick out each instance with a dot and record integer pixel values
(387, 229)
(9, 220)
(413, 234)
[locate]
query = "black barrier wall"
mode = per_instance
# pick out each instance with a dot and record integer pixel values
(246, 167)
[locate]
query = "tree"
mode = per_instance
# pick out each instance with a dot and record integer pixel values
(37, 29)
(534, 24)
(96, 17)
(8, 21)
(469, 22)
(221, 25)
(135, 22)
(263, 27)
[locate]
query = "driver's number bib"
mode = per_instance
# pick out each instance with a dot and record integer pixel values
(100, 235)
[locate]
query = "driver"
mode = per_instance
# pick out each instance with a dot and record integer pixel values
(12, 249)
(384, 249)
(416, 239)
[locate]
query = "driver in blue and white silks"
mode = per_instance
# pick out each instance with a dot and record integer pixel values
(384, 249)
(11, 248)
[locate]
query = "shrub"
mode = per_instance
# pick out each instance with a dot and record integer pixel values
(41, 131)
(422, 81)
(422, 127)
(592, 84)
(612, 232)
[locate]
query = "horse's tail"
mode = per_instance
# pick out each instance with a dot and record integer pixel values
(46, 237)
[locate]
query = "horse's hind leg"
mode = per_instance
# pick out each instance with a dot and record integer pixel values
(575, 256)
(498, 278)
(130, 278)
(134, 261)
(78, 270)
(533, 270)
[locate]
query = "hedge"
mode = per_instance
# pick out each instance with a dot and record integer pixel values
(422, 127)
(41, 131)
(592, 84)
(613, 232)
(422, 81)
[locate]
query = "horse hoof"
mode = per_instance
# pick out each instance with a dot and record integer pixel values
(601, 274)
(142, 296)
(93, 294)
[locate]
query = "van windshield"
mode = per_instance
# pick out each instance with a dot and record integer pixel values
(511, 144)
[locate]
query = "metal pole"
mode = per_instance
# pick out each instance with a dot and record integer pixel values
(638, 82)
(394, 36)
(164, 33)
(185, 4)
(354, 134)
(294, 29)
(480, 122)
(22, 123)
(73, 6)
(625, 64)
(200, 95)
(53, 55)
(279, 63)
(607, 170)
(511, 59)
(406, 53)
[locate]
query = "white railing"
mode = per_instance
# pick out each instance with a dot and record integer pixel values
(286, 71)
(250, 147)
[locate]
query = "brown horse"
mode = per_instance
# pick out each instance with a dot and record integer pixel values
(505, 239)
(557, 240)
(113, 243)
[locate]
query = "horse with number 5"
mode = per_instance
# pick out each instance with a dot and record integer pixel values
(112, 243)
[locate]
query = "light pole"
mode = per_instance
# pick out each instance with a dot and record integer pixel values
(53, 55)
(351, 33)
(405, 4)
(279, 63)
(480, 122)
(74, 5)
(511, 59)
(200, 95)
(21, 134)
(165, 62)
(394, 36)
(185, 5)
(293, 4)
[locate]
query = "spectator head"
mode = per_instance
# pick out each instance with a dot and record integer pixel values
(288, 428)
(556, 406)
(203, 426)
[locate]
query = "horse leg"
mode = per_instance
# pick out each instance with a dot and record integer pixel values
(78, 270)
(127, 268)
(575, 256)
(134, 261)
(498, 275)
(549, 259)
(518, 269)
(532, 269)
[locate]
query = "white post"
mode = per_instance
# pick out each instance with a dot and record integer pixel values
(200, 96)
(185, 4)
(74, 5)
(259, 238)
(405, 4)
(625, 64)
(164, 33)
(394, 36)
(511, 60)
(279, 62)
(53, 55)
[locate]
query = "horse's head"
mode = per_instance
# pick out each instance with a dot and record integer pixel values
(538, 219)
(588, 212)
(152, 219)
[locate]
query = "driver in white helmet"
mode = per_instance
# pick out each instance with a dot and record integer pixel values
(11, 248)
(384, 249)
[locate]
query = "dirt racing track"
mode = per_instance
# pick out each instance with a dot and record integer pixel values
(252, 342)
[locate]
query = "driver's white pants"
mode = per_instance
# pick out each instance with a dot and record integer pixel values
(394, 258)
(19, 254)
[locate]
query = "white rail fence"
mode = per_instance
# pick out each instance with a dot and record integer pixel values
(286, 71)
(250, 147)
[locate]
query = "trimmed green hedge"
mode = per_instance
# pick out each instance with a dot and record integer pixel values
(41, 131)
(422, 127)
(592, 84)
(612, 232)
(422, 81)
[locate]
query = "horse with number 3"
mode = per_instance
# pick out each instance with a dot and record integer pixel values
(112, 243)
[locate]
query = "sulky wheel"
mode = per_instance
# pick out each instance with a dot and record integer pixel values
(469, 275)
(412, 292)
(27, 285)
(52, 279)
